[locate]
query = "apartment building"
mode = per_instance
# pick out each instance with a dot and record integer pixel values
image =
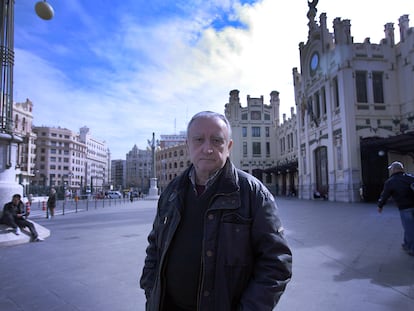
(170, 140)
(98, 162)
(60, 159)
(171, 162)
(118, 174)
(138, 168)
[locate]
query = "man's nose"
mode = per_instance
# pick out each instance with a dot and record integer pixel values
(208, 148)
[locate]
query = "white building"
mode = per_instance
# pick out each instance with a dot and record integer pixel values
(355, 106)
(22, 126)
(138, 169)
(97, 166)
(253, 132)
(60, 159)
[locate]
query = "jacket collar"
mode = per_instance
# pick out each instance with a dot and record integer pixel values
(228, 179)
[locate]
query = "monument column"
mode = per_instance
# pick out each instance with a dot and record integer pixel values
(153, 191)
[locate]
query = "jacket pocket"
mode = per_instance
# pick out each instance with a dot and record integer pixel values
(235, 239)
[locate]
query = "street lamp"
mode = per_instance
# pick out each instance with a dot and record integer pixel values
(44, 10)
(8, 140)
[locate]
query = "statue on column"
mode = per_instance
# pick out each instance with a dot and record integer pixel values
(153, 191)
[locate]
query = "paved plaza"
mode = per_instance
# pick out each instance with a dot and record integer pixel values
(346, 257)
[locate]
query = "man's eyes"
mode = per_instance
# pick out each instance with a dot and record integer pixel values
(214, 141)
(217, 141)
(198, 140)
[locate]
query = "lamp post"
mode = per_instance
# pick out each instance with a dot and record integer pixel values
(8, 139)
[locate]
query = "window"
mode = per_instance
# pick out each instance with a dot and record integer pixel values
(267, 149)
(244, 116)
(377, 87)
(255, 131)
(267, 130)
(339, 157)
(335, 92)
(244, 149)
(256, 146)
(317, 106)
(268, 178)
(244, 131)
(267, 116)
(323, 99)
(16, 121)
(361, 86)
(255, 115)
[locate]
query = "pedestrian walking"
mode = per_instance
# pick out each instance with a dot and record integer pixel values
(399, 187)
(51, 203)
(217, 241)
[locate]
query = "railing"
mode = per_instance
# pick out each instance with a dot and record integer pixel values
(39, 208)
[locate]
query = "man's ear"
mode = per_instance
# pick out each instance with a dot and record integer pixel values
(230, 145)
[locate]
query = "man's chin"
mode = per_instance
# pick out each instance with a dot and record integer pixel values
(207, 169)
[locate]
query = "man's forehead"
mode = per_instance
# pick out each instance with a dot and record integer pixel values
(214, 124)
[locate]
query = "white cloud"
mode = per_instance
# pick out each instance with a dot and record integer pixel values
(143, 78)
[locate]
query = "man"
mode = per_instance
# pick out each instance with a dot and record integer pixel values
(51, 203)
(13, 216)
(217, 241)
(398, 185)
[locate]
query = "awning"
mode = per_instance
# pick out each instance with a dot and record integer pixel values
(403, 143)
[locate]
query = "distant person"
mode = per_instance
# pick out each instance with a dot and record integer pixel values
(51, 203)
(13, 216)
(398, 186)
(131, 196)
(217, 241)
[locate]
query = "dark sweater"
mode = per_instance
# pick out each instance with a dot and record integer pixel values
(184, 257)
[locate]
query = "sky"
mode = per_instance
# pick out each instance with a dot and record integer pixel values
(127, 69)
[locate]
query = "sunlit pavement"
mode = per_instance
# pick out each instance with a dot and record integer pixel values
(346, 257)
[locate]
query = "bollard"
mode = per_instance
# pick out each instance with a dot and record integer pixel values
(27, 209)
(43, 205)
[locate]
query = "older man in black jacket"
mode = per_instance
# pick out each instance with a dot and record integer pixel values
(399, 187)
(217, 241)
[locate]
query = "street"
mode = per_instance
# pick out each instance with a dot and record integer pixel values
(346, 257)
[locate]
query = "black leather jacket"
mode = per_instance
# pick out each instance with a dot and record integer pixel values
(398, 186)
(246, 262)
(13, 210)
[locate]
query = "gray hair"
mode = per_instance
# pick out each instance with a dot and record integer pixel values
(210, 115)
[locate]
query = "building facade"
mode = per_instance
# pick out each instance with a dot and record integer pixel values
(98, 162)
(253, 132)
(171, 162)
(26, 151)
(355, 106)
(118, 174)
(60, 160)
(138, 167)
(170, 140)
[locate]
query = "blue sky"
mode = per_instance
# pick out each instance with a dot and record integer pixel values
(129, 68)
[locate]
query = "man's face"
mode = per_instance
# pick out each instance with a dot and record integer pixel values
(209, 145)
(16, 200)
